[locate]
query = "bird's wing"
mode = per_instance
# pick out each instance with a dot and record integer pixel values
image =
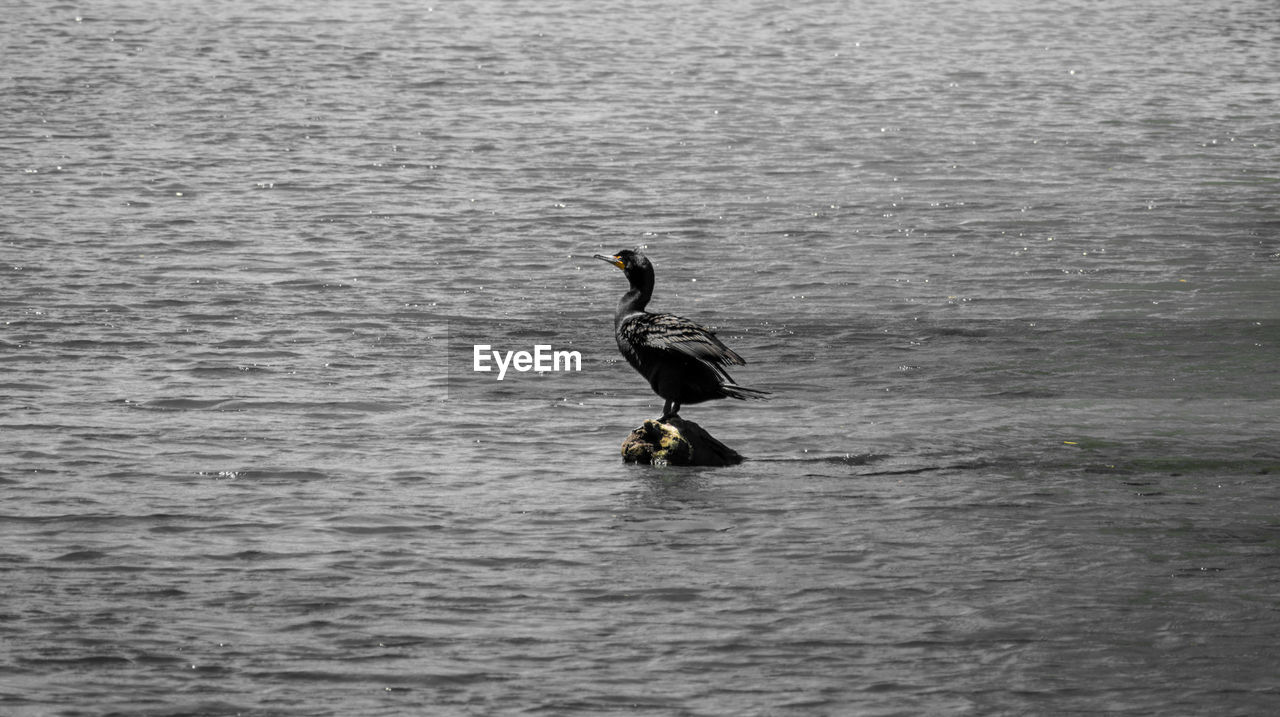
(668, 332)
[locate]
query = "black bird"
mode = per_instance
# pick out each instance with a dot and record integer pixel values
(683, 362)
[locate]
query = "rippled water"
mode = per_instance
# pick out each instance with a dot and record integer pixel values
(1009, 269)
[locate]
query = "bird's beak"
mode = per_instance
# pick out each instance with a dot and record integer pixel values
(611, 259)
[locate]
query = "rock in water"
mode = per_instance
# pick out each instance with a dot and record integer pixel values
(676, 442)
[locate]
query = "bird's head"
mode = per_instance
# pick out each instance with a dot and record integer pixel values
(637, 268)
(632, 263)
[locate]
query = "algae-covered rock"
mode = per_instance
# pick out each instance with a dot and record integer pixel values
(676, 442)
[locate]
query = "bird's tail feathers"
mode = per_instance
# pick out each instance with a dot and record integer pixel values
(742, 393)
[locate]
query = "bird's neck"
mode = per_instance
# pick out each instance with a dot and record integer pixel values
(632, 302)
(636, 298)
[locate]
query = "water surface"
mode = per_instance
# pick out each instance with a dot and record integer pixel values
(1009, 269)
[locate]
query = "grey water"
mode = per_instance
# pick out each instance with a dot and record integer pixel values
(1008, 268)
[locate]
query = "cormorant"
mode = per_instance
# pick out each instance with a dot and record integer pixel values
(683, 362)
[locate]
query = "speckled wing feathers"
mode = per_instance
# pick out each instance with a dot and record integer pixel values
(668, 332)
